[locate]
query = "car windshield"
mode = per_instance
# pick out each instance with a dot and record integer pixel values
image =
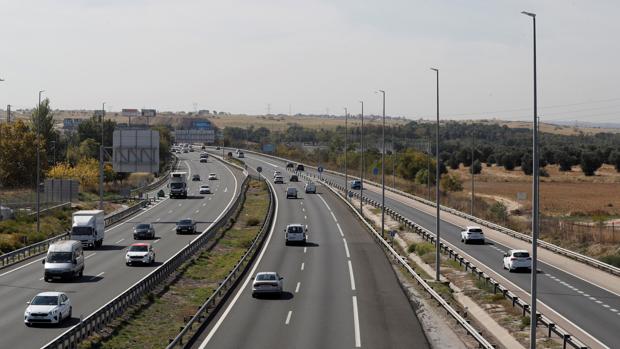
(185, 222)
(295, 230)
(138, 248)
(266, 277)
(176, 185)
(81, 231)
(59, 257)
(204, 187)
(476, 230)
(212, 174)
(521, 254)
(196, 176)
(45, 300)
(142, 226)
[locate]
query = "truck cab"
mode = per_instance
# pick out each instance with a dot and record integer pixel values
(88, 227)
(178, 185)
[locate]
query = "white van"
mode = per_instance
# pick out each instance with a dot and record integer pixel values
(295, 233)
(65, 259)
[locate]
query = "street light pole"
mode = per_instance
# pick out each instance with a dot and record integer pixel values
(101, 150)
(473, 140)
(535, 199)
(383, 169)
(437, 222)
(38, 160)
(362, 162)
(346, 175)
(428, 166)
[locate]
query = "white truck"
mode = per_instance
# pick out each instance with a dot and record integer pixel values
(178, 185)
(88, 227)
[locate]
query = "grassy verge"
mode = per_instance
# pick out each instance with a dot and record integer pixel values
(157, 318)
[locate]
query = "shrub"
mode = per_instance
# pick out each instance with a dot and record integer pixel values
(612, 259)
(451, 183)
(252, 221)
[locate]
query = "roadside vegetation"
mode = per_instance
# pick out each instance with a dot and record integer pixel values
(157, 318)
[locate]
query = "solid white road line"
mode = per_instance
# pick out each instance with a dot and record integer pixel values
(98, 275)
(156, 241)
(346, 247)
(288, 317)
(356, 324)
(90, 255)
(297, 288)
(247, 279)
(302, 265)
(351, 275)
(119, 240)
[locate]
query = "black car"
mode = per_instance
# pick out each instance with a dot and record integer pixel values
(294, 179)
(356, 184)
(144, 231)
(290, 165)
(300, 167)
(186, 226)
(195, 177)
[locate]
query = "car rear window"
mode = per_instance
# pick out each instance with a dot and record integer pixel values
(185, 222)
(142, 226)
(476, 230)
(295, 230)
(521, 254)
(266, 277)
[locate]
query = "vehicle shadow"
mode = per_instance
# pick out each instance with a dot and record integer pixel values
(310, 244)
(194, 197)
(109, 248)
(142, 265)
(285, 296)
(65, 324)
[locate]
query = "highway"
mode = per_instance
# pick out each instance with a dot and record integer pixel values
(593, 308)
(105, 274)
(340, 289)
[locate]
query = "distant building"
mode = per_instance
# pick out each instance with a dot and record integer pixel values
(71, 123)
(195, 131)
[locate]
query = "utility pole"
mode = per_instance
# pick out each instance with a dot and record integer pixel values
(383, 169)
(346, 175)
(362, 162)
(438, 203)
(473, 142)
(393, 161)
(535, 199)
(101, 150)
(428, 166)
(39, 162)
(268, 108)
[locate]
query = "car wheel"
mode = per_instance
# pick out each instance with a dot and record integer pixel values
(127, 263)
(28, 324)
(82, 272)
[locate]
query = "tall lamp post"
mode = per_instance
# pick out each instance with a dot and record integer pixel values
(346, 175)
(38, 161)
(473, 144)
(101, 150)
(362, 161)
(535, 199)
(437, 222)
(383, 168)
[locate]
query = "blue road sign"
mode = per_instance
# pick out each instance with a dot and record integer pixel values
(259, 169)
(320, 169)
(375, 171)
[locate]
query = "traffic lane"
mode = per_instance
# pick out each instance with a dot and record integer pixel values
(258, 323)
(387, 319)
(103, 283)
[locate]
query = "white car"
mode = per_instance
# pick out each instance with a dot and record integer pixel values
(204, 189)
(278, 179)
(295, 233)
(140, 253)
(276, 173)
(48, 307)
(267, 283)
(212, 176)
(517, 259)
(472, 234)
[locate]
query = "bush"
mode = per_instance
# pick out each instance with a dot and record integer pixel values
(451, 183)
(590, 163)
(477, 167)
(612, 259)
(253, 221)
(424, 248)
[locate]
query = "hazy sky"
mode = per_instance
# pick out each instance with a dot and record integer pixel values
(240, 56)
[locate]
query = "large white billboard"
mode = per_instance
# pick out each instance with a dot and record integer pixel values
(135, 150)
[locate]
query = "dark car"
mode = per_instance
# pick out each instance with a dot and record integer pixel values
(186, 226)
(203, 147)
(218, 148)
(195, 177)
(290, 165)
(356, 184)
(300, 167)
(144, 231)
(294, 178)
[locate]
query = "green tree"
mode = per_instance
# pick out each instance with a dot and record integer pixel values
(451, 183)
(91, 129)
(18, 161)
(42, 119)
(476, 167)
(508, 162)
(590, 162)
(614, 159)
(422, 177)
(527, 164)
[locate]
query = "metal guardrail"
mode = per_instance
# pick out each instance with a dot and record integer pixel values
(567, 338)
(549, 246)
(209, 308)
(114, 308)
(482, 342)
(41, 247)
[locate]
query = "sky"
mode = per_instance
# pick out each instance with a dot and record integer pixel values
(315, 56)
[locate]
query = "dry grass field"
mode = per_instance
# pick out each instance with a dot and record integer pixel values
(562, 193)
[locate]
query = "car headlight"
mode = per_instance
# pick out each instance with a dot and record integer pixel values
(27, 313)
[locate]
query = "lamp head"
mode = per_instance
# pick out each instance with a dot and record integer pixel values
(533, 15)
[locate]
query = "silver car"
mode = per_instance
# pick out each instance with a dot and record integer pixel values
(267, 283)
